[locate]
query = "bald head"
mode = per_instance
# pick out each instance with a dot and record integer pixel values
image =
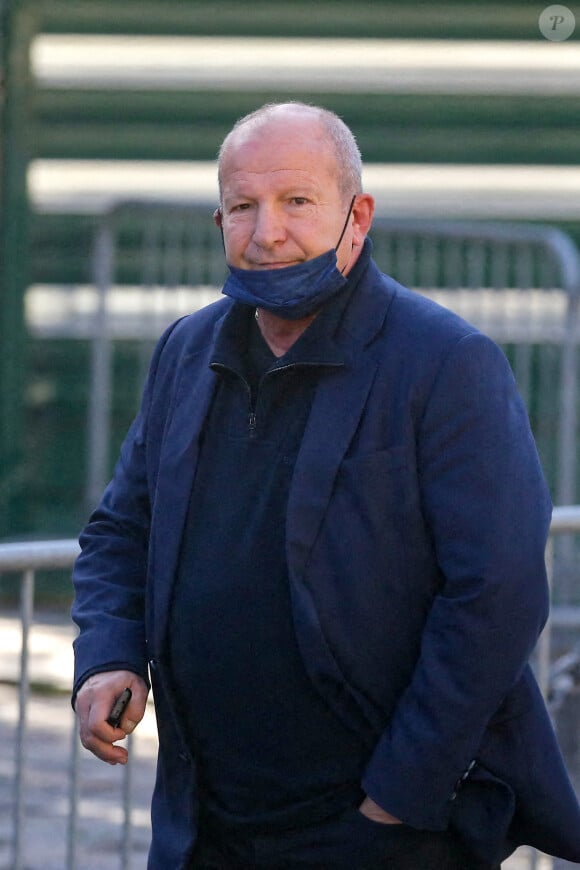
(321, 124)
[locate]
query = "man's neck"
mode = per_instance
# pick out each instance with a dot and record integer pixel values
(278, 333)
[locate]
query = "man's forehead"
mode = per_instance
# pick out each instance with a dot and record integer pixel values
(280, 175)
(278, 155)
(284, 179)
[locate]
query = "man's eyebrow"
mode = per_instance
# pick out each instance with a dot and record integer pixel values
(296, 189)
(300, 189)
(310, 186)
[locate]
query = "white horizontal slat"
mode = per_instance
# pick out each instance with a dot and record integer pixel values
(326, 65)
(518, 192)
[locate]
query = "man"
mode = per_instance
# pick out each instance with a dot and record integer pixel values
(325, 537)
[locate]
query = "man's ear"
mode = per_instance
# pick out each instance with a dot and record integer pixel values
(218, 218)
(363, 211)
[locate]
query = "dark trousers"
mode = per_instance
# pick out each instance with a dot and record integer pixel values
(349, 841)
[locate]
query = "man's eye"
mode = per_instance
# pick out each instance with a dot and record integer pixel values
(240, 206)
(299, 200)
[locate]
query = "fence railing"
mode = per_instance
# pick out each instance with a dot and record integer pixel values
(557, 678)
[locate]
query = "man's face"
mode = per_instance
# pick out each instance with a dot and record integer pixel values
(281, 203)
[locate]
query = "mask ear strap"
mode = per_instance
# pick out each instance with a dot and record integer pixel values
(336, 247)
(219, 220)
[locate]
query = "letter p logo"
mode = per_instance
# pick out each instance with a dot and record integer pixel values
(557, 23)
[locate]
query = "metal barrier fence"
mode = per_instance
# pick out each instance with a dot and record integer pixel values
(154, 261)
(557, 678)
(27, 559)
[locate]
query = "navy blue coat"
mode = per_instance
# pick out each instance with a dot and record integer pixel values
(416, 526)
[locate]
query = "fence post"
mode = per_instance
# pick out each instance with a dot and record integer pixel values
(72, 836)
(99, 418)
(566, 489)
(27, 607)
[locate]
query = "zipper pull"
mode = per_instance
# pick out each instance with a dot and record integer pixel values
(252, 424)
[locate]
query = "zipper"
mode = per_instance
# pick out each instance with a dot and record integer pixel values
(252, 424)
(252, 412)
(252, 421)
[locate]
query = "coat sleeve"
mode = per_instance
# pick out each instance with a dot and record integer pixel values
(486, 504)
(109, 576)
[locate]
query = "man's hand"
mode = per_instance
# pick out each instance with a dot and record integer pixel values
(93, 705)
(374, 812)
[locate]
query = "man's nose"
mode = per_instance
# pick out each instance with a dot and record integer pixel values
(269, 227)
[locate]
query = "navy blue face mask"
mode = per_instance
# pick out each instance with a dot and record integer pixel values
(292, 292)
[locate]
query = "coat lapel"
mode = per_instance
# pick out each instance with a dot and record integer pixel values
(336, 410)
(178, 461)
(334, 417)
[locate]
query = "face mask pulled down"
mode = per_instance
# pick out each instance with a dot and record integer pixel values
(292, 292)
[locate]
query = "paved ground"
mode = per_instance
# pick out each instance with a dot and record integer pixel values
(47, 766)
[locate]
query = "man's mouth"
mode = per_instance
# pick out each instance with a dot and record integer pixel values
(275, 264)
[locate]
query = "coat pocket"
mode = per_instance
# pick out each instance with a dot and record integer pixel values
(482, 813)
